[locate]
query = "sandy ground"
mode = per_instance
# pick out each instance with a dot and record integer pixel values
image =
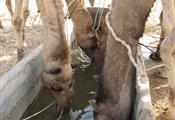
(34, 37)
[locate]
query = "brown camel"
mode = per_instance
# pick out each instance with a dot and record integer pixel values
(57, 68)
(167, 49)
(116, 91)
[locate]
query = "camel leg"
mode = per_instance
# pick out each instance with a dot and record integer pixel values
(167, 52)
(26, 13)
(9, 7)
(57, 68)
(91, 2)
(17, 22)
(1, 26)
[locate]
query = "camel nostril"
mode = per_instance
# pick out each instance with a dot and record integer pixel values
(57, 89)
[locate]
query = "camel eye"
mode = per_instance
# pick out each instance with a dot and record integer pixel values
(55, 70)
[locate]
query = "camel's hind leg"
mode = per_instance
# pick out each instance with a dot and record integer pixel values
(167, 52)
(9, 7)
(19, 18)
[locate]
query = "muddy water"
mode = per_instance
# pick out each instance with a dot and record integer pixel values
(83, 91)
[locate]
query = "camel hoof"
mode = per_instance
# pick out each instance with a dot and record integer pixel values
(20, 53)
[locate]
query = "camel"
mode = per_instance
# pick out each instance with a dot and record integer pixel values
(167, 23)
(116, 92)
(167, 48)
(57, 68)
(84, 32)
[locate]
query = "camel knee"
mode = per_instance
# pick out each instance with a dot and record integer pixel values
(17, 23)
(17, 26)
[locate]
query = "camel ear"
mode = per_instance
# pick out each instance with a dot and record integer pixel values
(95, 106)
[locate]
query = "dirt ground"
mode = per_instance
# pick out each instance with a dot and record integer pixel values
(34, 38)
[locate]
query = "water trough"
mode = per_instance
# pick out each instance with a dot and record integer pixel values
(21, 84)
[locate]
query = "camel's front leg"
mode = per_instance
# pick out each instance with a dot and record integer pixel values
(167, 52)
(91, 2)
(17, 22)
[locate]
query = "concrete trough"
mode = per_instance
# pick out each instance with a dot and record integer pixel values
(22, 83)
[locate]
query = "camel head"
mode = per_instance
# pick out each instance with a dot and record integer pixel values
(57, 77)
(88, 42)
